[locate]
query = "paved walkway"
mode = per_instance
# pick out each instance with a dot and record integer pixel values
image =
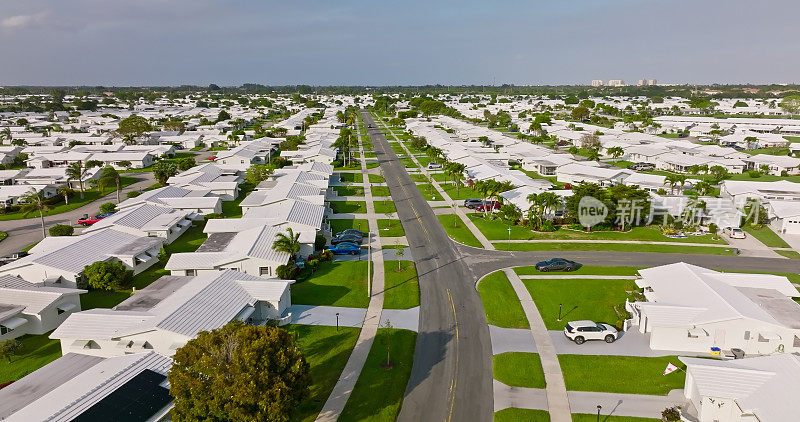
(347, 380)
(511, 340)
(792, 239)
(557, 400)
(633, 405)
(461, 214)
(750, 246)
(326, 315)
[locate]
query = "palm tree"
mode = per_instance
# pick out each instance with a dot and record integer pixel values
(671, 180)
(593, 154)
(616, 152)
(66, 191)
(703, 188)
(548, 201)
(287, 242)
(76, 171)
(5, 135)
(109, 177)
(34, 201)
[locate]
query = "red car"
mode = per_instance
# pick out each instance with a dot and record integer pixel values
(488, 206)
(88, 221)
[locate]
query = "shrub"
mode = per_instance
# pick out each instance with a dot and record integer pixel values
(107, 275)
(133, 194)
(325, 255)
(287, 271)
(754, 174)
(784, 173)
(213, 215)
(670, 414)
(548, 226)
(61, 230)
(319, 242)
(108, 207)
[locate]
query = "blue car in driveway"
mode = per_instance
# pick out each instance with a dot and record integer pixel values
(345, 248)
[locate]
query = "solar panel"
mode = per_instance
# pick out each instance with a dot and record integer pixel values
(136, 400)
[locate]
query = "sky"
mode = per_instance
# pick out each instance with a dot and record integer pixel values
(410, 42)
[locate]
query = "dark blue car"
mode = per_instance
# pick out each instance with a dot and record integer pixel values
(345, 248)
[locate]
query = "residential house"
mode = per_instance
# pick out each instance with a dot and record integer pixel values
(27, 308)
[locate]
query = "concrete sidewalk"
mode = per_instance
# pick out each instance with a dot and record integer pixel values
(511, 340)
(635, 242)
(335, 403)
(326, 315)
(557, 399)
(578, 276)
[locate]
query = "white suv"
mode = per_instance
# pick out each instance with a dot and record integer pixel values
(734, 232)
(580, 331)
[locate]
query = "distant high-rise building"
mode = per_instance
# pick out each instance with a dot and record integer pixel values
(616, 82)
(642, 82)
(597, 82)
(652, 82)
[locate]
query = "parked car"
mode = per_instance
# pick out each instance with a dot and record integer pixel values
(557, 264)
(473, 203)
(434, 166)
(88, 221)
(345, 248)
(580, 331)
(350, 231)
(641, 166)
(734, 232)
(488, 206)
(347, 238)
(561, 143)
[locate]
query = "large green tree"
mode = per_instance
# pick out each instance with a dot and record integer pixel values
(163, 170)
(238, 373)
(107, 275)
(134, 125)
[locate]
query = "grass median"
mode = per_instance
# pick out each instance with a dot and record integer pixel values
(583, 270)
(500, 302)
(457, 230)
(378, 393)
(326, 350)
(342, 224)
(388, 227)
(514, 414)
(401, 285)
(518, 369)
(349, 207)
(615, 247)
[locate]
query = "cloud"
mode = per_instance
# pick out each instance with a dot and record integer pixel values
(23, 21)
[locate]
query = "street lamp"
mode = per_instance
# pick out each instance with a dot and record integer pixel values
(598, 412)
(559, 312)
(337, 321)
(509, 239)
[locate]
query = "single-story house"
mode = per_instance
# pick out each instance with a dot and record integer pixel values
(784, 216)
(27, 308)
(147, 220)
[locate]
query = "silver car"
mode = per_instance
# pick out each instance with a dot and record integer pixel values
(580, 331)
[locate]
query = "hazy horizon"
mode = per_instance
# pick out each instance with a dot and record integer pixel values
(360, 43)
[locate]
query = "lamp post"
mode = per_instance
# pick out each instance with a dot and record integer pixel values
(559, 312)
(337, 321)
(509, 239)
(598, 412)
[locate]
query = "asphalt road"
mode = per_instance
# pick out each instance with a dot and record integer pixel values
(451, 378)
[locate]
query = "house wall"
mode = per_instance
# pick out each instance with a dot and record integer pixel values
(739, 333)
(162, 341)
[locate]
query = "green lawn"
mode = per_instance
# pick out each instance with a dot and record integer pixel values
(37, 351)
(789, 254)
(90, 195)
(586, 269)
(619, 247)
(518, 369)
(513, 414)
(457, 231)
(326, 350)
(594, 300)
(766, 236)
(342, 224)
(349, 190)
(408, 162)
(429, 192)
(587, 417)
(496, 229)
(378, 393)
(401, 287)
(376, 178)
(232, 209)
(351, 177)
(384, 207)
(3, 235)
(390, 228)
(334, 284)
(380, 191)
(500, 302)
(418, 177)
(462, 192)
(348, 207)
(621, 374)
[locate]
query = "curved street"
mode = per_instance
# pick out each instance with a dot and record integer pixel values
(451, 378)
